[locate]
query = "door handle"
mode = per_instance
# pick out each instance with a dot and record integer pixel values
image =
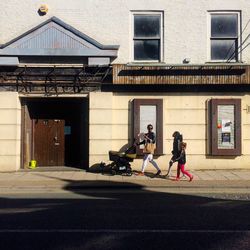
(56, 141)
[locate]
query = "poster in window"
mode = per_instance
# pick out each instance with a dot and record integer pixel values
(226, 126)
(225, 138)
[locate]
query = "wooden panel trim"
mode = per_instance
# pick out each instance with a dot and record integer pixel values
(202, 74)
(26, 135)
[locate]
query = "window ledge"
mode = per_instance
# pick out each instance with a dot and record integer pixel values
(205, 64)
(145, 64)
(224, 62)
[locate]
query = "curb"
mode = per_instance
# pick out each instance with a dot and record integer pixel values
(102, 184)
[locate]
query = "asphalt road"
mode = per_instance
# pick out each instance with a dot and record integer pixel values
(125, 219)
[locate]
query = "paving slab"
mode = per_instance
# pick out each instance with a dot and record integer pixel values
(241, 175)
(203, 176)
(65, 180)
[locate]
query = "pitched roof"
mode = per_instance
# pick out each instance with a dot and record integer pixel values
(54, 37)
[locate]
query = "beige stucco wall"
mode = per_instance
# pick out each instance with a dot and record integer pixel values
(10, 131)
(109, 22)
(110, 127)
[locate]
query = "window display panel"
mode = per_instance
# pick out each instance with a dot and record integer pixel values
(147, 116)
(148, 111)
(226, 127)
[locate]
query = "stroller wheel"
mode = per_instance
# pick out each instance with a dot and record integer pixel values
(129, 172)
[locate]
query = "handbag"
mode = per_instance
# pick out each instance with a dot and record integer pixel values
(149, 148)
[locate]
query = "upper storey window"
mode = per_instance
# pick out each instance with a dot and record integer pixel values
(224, 36)
(147, 37)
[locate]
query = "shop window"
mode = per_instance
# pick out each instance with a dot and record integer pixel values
(224, 36)
(147, 37)
(225, 127)
(148, 111)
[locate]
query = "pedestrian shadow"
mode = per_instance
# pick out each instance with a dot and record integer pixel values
(160, 176)
(148, 174)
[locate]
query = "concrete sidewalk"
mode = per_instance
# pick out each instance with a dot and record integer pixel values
(79, 179)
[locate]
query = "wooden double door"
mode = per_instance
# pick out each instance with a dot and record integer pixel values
(49, 142)
(55, 132)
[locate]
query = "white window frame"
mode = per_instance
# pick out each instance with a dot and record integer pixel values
(147, 13)
(210, 13)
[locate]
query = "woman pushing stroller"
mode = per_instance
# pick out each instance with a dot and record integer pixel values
(148, 151)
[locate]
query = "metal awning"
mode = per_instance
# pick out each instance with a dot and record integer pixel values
(54, 79)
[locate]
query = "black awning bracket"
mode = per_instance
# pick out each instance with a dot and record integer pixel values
(54, 79)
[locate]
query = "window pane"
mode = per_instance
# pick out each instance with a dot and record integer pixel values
(147, 116)
(224, 25)
(147, 50)
(226, 127)
(223, 50)
(146, 26)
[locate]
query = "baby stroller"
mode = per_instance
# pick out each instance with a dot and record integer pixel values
(120, 162)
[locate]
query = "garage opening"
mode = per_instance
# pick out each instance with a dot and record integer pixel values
(55, 132)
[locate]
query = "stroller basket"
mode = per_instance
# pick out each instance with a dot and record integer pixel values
(131, 156)
(114, 155)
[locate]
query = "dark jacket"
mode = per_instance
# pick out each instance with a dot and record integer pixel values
(151, 136)
(176, 145)
(182, 158)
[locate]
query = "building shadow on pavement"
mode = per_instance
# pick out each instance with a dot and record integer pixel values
(97, 216)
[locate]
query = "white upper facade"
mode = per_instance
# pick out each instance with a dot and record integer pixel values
(168, 31)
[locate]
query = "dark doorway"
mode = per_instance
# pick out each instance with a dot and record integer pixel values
(55, 131)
